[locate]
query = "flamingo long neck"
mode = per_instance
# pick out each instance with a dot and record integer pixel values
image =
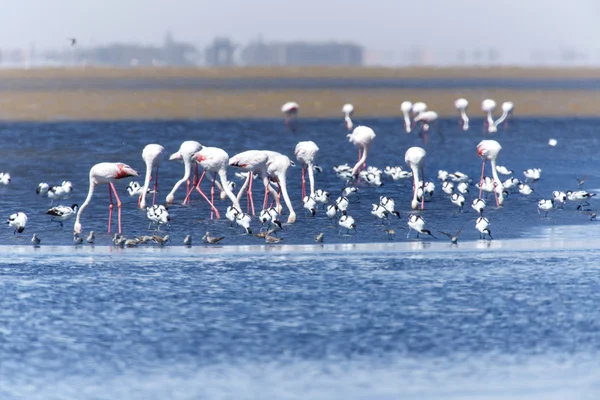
(490, 118)
(84, 205)
(223, 177)
(463, 115)
(286, 198)
(187, 168)
(311, 178)
(501, 119)
(244, 186)
(406, 121)
(362, 160)
(348, 121)
(499, 188)
(146, 184)
(416, 180)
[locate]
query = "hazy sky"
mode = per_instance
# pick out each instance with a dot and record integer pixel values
(390, 25)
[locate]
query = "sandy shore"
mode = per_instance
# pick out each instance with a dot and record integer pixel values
(118, 104)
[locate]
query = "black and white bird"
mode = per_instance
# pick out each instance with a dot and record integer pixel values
(458, 200)
(532, 174)
(342, 204)
(545, 206)
(4, 178)
(478, 205)
(580, 196)
(511, 184)
(331, 211)
(502, 170)
(448, 187)
(349, 191)
(309, 203)
(482, 225)
(380, 212)
(417, 224)
(62, 213)
(462, 187)
(559, 198)
(135, 189)
(42, 188)
(158, 214)
(389, 204)
(243, 220)
(525, 189)
(346, 222)
(60, 192)
(17, 221)
(231, 213)
(269, 219)
(321, 196)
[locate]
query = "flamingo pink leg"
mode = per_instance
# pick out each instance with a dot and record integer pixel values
(303, 184)
(112, 186)
(212, 206)
(422, 191)
(155, 187)
(250, 200)
(481, 180)
(110, 208)
(266, 200)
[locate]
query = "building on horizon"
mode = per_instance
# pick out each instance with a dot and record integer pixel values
(260, 53)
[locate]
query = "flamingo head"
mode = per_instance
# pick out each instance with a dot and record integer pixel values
(414, 204)
(176, 156)
(170, 198)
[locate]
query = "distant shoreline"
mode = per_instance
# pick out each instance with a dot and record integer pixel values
(85, 102)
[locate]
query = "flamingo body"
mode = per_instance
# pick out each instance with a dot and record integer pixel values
(152, 156)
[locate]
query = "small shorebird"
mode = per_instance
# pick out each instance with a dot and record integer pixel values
(581, 181)
(211, 239)
(319, 238)
(77, 239)
(591, 214)
(187, 241)
(390, 232)
(559, 198)
(160, 240)
(91, 237)
(131, 243)
(35, 239)
(144, 239)
(272, 239)
(453, 238)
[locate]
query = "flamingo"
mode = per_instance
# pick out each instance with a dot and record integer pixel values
(488, 106)
(152, 155)
(361, 137)
(290, 109)
(305, 153)
(348, 109)
(253, 161)
(215, 160)
(406, 108)
(277, 166)
(185, 153)
(105, 172)
(418, 108)
(488, 150)
(427, 118)
(507, 108)
(461, 105)
(415, 159)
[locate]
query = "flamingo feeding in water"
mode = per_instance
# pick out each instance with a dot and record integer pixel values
(185, 153)
(507, 108)
(277, 166)
(105, 172)
(361, 137)
(290, 109)
(427, 118)
(461, 105)
(305, 153)
(406, 108)
(415, 159)
(348, 109)
(152, 156)
(488, 150)
(488, 106)
(215, 160)
(252, 161)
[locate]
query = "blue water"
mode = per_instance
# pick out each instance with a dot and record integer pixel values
(513, 318)
(41, 84)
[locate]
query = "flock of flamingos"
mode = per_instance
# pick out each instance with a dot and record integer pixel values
(271, 167)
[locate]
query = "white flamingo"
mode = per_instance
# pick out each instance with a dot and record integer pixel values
(488, 106)
(106, 172)
(361, 137)
(152, 156)
(348, 110)
(461, 105)
(415, 158)
(305, 153)
(290, 109)
(185, 154)
(488, 150)
(406, 108)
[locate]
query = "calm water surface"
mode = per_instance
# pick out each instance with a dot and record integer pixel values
(420, 320)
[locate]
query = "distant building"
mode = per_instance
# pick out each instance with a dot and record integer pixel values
(302, 54)
(220, 53)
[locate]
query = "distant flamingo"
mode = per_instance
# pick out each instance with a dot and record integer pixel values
(348, 109)
(152, 155)
(427, 118)
(406, 108)
(253, 161)
(215, 160)
(277, 167)
(507, 108)
(290, 109)
(415, 159)
(305, 153)
(488, 150)
(461, 105)
(361, 137)
(105, 172)
(488, 106)
(185, 153)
